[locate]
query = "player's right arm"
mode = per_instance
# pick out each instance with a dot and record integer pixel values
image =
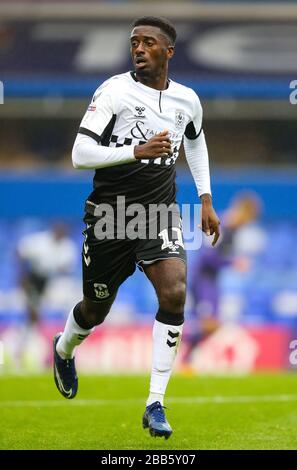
(157, 146)
(90, 150)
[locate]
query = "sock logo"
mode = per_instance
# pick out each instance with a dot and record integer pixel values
(173, 336)
(81, 337)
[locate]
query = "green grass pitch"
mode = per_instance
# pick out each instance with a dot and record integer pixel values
(253, 412)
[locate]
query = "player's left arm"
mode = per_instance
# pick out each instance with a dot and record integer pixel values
(197, 157)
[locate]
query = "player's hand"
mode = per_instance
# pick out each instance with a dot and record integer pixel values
(210, 220)
(157, 146)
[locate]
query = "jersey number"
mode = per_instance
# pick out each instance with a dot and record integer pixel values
(169, 243)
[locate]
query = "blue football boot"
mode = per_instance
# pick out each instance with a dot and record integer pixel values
(64, 373)
(154, 419)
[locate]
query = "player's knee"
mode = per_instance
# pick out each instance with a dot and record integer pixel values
(172, 299)
(94, 313)
(95, 317)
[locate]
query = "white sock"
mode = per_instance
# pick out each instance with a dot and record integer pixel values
(166, 339)
(155, 397)
(72, 336)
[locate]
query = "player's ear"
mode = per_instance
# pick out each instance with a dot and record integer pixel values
(170, 52)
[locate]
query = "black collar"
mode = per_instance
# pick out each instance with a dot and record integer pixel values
(133, 75)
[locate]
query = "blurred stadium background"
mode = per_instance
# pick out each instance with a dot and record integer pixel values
(240, 57)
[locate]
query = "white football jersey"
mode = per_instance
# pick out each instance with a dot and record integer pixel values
(124, 112)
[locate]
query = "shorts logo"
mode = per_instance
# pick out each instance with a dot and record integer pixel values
(85, 254)
(174, 248)
(101, 291)
(179, 119)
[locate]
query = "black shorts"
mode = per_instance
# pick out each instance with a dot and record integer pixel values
(107, 263)
(34, 289)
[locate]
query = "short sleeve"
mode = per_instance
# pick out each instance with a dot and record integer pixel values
(99, 114)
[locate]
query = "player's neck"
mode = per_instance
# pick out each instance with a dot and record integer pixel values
(159, 82)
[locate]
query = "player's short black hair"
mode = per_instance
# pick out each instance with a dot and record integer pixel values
(166, 27)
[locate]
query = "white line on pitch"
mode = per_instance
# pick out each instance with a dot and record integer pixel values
(179, 400)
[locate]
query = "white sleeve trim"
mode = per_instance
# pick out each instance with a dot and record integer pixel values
(87, 154)
(197, 158)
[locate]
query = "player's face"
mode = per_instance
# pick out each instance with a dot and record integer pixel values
(150, 50)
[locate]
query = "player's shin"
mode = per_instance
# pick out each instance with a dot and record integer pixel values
(73, 334)
(167, 333)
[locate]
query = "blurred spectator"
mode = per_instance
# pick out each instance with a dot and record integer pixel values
(241, 239)
(42, 256)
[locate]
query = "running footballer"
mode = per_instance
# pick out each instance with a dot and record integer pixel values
(131, 135)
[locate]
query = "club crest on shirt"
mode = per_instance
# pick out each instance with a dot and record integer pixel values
(179, 119)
